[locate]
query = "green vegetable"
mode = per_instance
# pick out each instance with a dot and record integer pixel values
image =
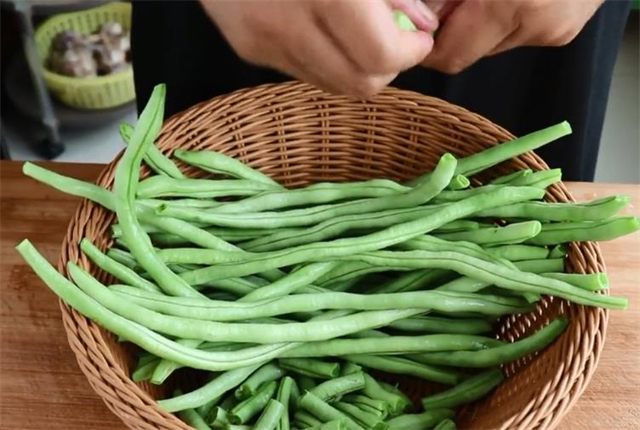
(403, 21)
(252, 406)
(467, 391)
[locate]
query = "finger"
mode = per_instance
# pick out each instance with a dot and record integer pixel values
(316, 59)
(442, 8)
(472, 31)
(422, 16)
(368, 35)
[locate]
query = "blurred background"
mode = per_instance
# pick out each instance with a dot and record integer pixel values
(73, 115)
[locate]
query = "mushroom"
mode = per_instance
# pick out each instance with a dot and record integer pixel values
(77, 62)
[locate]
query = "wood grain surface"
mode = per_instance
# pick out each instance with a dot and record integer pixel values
(42, 387)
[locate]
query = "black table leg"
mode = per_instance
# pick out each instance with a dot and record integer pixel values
(52, 145)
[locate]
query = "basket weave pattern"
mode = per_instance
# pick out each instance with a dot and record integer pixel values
(300, 135)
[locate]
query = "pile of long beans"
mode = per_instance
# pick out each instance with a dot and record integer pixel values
(291, 301)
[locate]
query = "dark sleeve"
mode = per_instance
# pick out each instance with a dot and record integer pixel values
(175, 43)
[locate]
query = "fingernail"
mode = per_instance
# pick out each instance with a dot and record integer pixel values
(426, 12)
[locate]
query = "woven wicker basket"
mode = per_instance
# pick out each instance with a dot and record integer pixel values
(300, 135)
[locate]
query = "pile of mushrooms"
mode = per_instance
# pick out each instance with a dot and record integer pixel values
(106, 51)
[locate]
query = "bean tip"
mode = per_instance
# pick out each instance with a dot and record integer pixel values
(603, 281)
(565, 127)
(24, 245)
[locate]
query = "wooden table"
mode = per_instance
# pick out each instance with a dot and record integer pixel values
(42, 387)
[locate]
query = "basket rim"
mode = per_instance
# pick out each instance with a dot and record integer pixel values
(571, 388)
(76, 82)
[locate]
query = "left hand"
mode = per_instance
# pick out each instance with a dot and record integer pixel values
(473, 29)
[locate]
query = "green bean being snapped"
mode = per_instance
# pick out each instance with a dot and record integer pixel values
(255, 306)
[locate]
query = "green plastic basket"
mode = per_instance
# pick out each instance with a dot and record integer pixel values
(99, 92)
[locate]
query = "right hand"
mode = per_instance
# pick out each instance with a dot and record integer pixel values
(351, 47)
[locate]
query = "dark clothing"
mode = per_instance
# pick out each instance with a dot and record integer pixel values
(522, 90)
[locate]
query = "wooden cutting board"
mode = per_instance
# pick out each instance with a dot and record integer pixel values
(41, 385)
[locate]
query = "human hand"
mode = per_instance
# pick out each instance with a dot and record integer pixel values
(473, 29)
(351, 47)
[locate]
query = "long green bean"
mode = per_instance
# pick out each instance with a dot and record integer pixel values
(467, 391)
(67, 185)
(210, 310)
(125, 184)
(497, 154)
(430, 324)
(125, 258)
(116, 269)
(408, 367)
(519, 252)
(349, 246)
(216, 162)
(324, 192)
(461, 225)
(316, 214)
(218, 386)
(589, 281)
(334, 227)
(186, 202)
(153, 157)
(543, 211)
(212, 331)
(412, 281)
(494, 274)
(191, 233)
(608, 229)
(347, 271)
(436, 244)
(500, 354)
(138, 334)
(549, 265)
(495, 236)
(162, 186)
(393, 345)
(290, 283)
